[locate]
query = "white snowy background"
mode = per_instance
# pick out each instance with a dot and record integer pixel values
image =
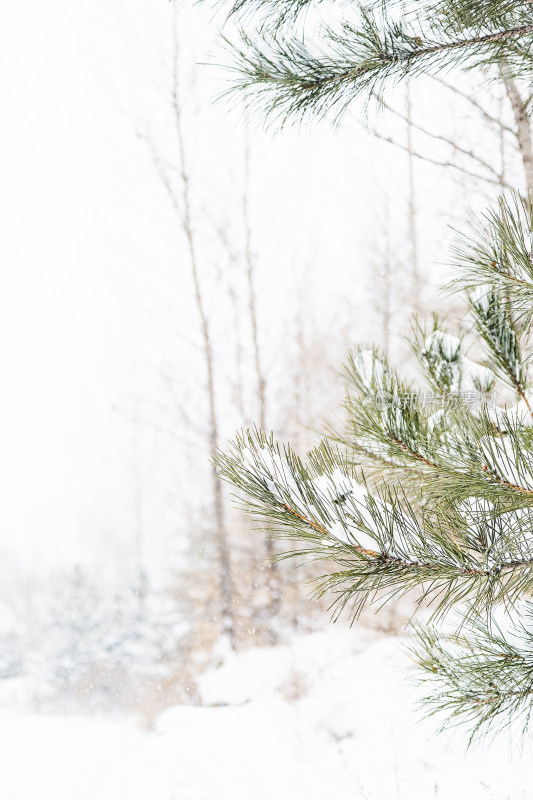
(98, 472)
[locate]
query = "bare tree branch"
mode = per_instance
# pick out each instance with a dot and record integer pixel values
(474, 103)
(439, 137)
(437, 163)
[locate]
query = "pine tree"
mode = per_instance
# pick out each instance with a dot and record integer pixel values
(428, 490)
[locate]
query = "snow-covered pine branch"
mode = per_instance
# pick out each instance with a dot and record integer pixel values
(381, 544)
(481, 677)
(428, 488)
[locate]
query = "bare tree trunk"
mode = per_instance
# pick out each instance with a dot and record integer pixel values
(502, 146)
(226, 581)
(381, 290)
(386, 285)
(412, 211)
(140, 575)
(523, 129)
(238, 383)
(235, 260)
(273, 583)
(252, 299)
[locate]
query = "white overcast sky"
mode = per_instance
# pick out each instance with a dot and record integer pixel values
(86, 254)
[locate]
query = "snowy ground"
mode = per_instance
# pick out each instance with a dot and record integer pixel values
(329, 716)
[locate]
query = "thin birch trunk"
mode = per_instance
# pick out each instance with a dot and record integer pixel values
(225, 576)
(252, 297)
(273, 583)
(412, 210)
(140, 576)
(386, 285)
(523, 129)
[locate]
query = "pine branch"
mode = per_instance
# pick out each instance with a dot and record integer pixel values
(497, 252)
(386, 415)
(495, 324)
(482, 678)
(383, 546)
(275, 13)
(483, 463)
(434, 444)
(445, 366)
(287, 78)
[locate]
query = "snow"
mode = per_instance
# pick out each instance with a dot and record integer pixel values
(331, 714)
(515, 415)
(338, 484)
(336, 487)
(273, 469)
(475, 376)
(449, 345)
(466, 375)
(502, 460)
(370, 368)
(435, 419)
